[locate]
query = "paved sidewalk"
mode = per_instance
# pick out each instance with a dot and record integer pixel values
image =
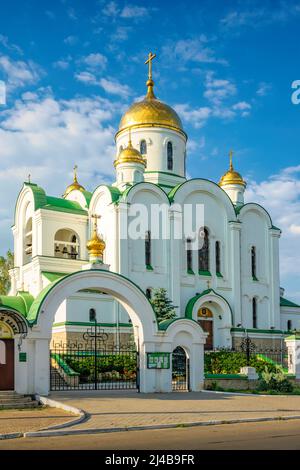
(121, 409)
(13, 421)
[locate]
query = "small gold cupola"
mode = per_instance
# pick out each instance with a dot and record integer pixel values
(130, 155)
(75, 186)
(231, 176)
(233, 184)
(96, 245)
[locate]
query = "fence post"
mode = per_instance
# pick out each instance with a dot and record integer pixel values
(293, 347)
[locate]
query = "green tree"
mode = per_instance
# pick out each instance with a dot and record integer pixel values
(6, 263)
(162, 305)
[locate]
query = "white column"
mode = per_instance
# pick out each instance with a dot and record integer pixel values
(123, 252)
(42, 367)
(235, 269)
(293, 346)
(274, 279)
(197, 367)
(174, 255)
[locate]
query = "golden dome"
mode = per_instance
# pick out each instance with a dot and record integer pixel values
(130, 155)
(75, 186)
(96, 245)
(232, 176)
(151, 112)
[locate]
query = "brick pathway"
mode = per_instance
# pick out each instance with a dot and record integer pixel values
(32, 420)
(116, 409)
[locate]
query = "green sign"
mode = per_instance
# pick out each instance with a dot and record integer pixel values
(22, 357)
(158, 360)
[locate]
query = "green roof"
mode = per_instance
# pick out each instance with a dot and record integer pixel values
(20, 302)
(287, 303)
(42, 201)
(53, 276)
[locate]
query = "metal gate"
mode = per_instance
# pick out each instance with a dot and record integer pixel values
(180, 370)
(93, 364)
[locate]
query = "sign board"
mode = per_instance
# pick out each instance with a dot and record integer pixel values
(158, 360)
(22, 357)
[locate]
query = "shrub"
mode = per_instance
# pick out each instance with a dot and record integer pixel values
(275, 382)
(230, 362)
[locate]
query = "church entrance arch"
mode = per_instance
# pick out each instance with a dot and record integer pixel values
(205, 320)
(180, 370)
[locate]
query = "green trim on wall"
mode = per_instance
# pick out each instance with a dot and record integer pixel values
(36, 306)
(256, 330)
(287, 303)
(191, 303)
(254, 278)
(166, 173)
(149, 267)
(53, 276)
(204, 273)
(79, 323)
(219, 274)
(190, 271)
(226, 376)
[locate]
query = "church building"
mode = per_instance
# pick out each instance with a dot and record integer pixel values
(230, 284)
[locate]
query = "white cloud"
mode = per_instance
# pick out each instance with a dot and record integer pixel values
(71, 40)
(191, 50)
(11, 47)
(95, 61)
(113, 87)
(263, 88)
(45, 137)
(197, 116)
(259, 16)
(62, 64)
(280, 195)
(19, 73)
(86, 77)
(218, 90)
(134, 11)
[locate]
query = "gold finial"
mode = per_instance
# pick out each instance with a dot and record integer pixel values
(150, 82)
(129, 138)
(230, 160)
(96, 245)
(75, 173)
(29, 178)
(149, 62)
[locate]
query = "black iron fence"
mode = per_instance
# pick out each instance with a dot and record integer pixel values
(180, 370)
(85, 369)
(247, 353)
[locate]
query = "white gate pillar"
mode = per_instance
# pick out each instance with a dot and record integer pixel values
(42, 367)
(293, 346)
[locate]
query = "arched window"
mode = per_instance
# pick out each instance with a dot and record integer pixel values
(218, 258)
(28, 241)
(289, 325)
(253, 262)
(189, 256)
(203, 252)
(149, 293)
(148, 248)
(66, 244)
(254, 312)
(170, 155)
(143, 147)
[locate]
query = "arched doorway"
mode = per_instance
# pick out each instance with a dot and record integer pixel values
(205, 320)
(7, 360)
(180, 370)
(13, 327)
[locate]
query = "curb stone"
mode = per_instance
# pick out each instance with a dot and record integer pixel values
(83, 416)
(152, 427)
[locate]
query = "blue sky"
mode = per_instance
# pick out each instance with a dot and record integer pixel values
(71, 67)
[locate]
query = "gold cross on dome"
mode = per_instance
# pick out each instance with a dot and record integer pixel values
(96, 218)
(149, 62)
(230, 159)
(29, 178)
(75, 172)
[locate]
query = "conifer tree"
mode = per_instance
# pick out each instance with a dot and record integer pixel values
(162, 305)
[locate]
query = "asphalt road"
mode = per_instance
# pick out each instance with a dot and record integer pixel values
(279, 435)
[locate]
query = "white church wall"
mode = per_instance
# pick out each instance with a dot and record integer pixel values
(157, 139)
(292, 314)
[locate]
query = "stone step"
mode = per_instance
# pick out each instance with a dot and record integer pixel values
(17, 399)
(11, 406)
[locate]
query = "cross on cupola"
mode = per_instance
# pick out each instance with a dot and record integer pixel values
(149, 62)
